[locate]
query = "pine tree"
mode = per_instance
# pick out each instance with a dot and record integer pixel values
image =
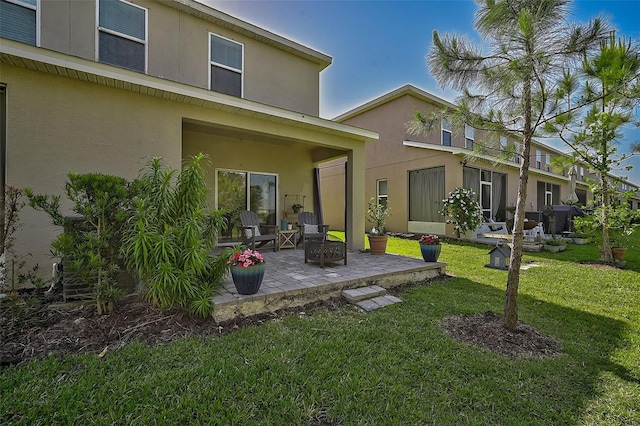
(507, 85)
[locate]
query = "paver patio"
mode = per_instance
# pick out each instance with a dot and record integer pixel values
(290, 282)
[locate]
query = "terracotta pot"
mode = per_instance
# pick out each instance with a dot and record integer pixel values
(378, 244)
(618, 253)
(247, 279)
(430, 253)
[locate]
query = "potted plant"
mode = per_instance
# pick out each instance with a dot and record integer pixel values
(621, 227)
(582, 229)
(430, 247)
(377, 214)
(554, 245)
(247, 270)
(297, 208)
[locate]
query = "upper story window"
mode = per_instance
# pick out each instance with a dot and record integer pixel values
(503, 143)
(18, 20)
(547, 161)
(382, 192)
(446, 131)
(226, 64)
(538, 159)
(469, 136)
(516, 155)
(122, 35)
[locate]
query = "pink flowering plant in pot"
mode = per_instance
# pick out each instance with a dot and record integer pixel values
(247, 270)
(245, 258)
(430, 247)
(429, 240)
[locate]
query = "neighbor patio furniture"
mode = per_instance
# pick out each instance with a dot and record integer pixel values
(253, 232)
(310, 227)
(325, 249)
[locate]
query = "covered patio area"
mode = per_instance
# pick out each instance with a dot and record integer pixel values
(290, 282)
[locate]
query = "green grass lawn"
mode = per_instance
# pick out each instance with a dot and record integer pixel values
(390, 366)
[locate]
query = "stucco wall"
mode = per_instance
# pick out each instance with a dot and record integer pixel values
(56, 125)
(236, 154)
(389, 159)
(178, 50)
(332, 184)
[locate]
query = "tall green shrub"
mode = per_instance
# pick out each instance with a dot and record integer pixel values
(90, 242)
(171, 234)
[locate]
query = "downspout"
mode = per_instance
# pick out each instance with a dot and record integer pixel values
(3, 168)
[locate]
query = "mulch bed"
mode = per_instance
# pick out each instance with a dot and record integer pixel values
(486, 331)
(44, 332)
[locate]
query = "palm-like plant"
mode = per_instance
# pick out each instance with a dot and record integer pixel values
(170, 235)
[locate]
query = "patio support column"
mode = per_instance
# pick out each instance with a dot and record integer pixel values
(355, 199)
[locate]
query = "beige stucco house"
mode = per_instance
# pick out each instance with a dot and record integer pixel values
(413, 173)
(103, 85)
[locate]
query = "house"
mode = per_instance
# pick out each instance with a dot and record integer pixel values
(413, 173)
(104, 85)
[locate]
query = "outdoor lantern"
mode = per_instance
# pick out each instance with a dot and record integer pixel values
(499, 257)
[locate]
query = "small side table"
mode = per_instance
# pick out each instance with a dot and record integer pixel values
(287, 239)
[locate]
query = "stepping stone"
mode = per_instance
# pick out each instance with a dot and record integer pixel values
(378, 302)
(357, 294)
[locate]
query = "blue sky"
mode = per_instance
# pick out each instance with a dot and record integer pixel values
(378, 46)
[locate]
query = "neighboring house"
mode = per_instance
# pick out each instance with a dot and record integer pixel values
(413, 173)
(104, 85)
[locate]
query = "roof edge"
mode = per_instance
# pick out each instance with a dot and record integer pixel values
(407, 89)
(245, 28)
(56, 63)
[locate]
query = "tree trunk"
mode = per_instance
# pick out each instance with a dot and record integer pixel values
(510, 321)
(607, 254)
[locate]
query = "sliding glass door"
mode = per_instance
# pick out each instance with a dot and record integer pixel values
(241, 190)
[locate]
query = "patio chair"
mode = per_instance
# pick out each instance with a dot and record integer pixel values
(253, 232)
(310, 228)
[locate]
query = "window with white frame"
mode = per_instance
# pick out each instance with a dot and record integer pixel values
(503, 143)
(548, 194)
(490, 188)
(446, 131)
(516, 155)
(122, 35)
(538, 159)
(547, 162)
(226, 62)
(469, 136)
(382, 192)
(485, 193)
(581, 173)
(19, 20)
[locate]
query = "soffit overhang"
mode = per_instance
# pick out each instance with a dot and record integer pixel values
(51, 62)
(463, 153)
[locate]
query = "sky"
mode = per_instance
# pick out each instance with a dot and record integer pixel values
(378, 46)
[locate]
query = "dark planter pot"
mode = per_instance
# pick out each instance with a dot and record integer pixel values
(430, 253)
(247, 280)
(378, 244)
